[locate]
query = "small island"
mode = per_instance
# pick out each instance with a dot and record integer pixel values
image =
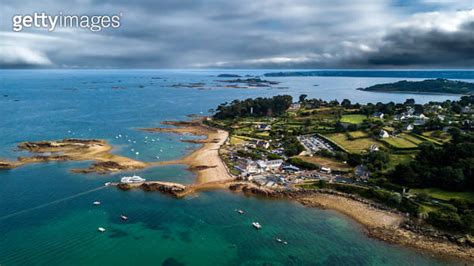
(229, 76)
(443, 86)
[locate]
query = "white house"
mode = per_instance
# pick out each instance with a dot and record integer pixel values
(270, 164)
(248, 166)
(295, 106)
(326, 170)
(383, 134)
(263, 127)
(374, 148)
(378, 115)
(409, 127)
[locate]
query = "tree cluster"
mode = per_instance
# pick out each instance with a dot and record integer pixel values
(258, 107)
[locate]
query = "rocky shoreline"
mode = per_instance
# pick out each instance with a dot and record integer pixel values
(74, 150)
(379, 221)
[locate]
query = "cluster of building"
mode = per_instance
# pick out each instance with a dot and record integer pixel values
(314, 143)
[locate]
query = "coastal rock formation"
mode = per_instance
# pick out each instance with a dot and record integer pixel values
(106, 167)
(251, 82)
(254, 189)
(380, 221)
(8, 165)
(166, 187)
(201, 167)
(75, 150)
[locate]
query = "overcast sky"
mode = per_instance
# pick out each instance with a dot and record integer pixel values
(247, 34)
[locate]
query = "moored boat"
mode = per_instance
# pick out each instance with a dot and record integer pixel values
(257, 225)
(132, 179)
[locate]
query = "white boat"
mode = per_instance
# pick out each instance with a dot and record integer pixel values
(132, 179)
(123, 217)
(257, 225)
(240, 211)
(96, 202)
(101, 229)
(279, 240)
(107, 184)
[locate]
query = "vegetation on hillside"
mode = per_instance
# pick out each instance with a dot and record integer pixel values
(429, 85)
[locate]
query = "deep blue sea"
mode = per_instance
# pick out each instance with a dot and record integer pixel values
(48, 227)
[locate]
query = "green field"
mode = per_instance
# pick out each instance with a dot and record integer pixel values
(437, 136)
(403, 141)
(359, 145)
(326, 162)
(396, 159)
(353, 119)
(399, 143)
(444, 195)
(358, 134)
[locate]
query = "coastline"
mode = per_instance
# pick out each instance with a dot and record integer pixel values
(380, 224)
(387, 226)
(417, 92)
(212, 173)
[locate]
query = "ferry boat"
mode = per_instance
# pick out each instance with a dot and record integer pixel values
(257, 225)
(101, 229)
(132, 179)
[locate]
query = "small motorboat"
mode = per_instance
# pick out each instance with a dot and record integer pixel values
(279, 240)
(96, 202)
(240, 211)
(284, 242)
(107, 184)
(101, 229)
(123, 217)
(257, 225)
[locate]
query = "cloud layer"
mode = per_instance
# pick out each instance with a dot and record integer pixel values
(255, 34)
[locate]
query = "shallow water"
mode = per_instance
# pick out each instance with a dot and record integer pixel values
(198, 230)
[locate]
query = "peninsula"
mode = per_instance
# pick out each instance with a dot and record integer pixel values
(443, 86)
(322, 154)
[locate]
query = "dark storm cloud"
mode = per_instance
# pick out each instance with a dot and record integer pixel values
(245, 33)
(433, 47)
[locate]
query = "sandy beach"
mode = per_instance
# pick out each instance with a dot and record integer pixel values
(205, 161)
(385, 225)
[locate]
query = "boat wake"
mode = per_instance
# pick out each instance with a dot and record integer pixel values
(51, 203)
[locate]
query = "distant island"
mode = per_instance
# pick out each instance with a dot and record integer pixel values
(425, 86)
(424, 74)
(229, 76)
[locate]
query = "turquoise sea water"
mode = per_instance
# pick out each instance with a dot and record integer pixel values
(203, 229)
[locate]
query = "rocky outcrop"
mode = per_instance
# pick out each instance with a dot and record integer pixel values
(105, 167)
(46, 146)
(44, 158)
(254, 189)
(7, 165)
(201, 167)
(165, 187)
